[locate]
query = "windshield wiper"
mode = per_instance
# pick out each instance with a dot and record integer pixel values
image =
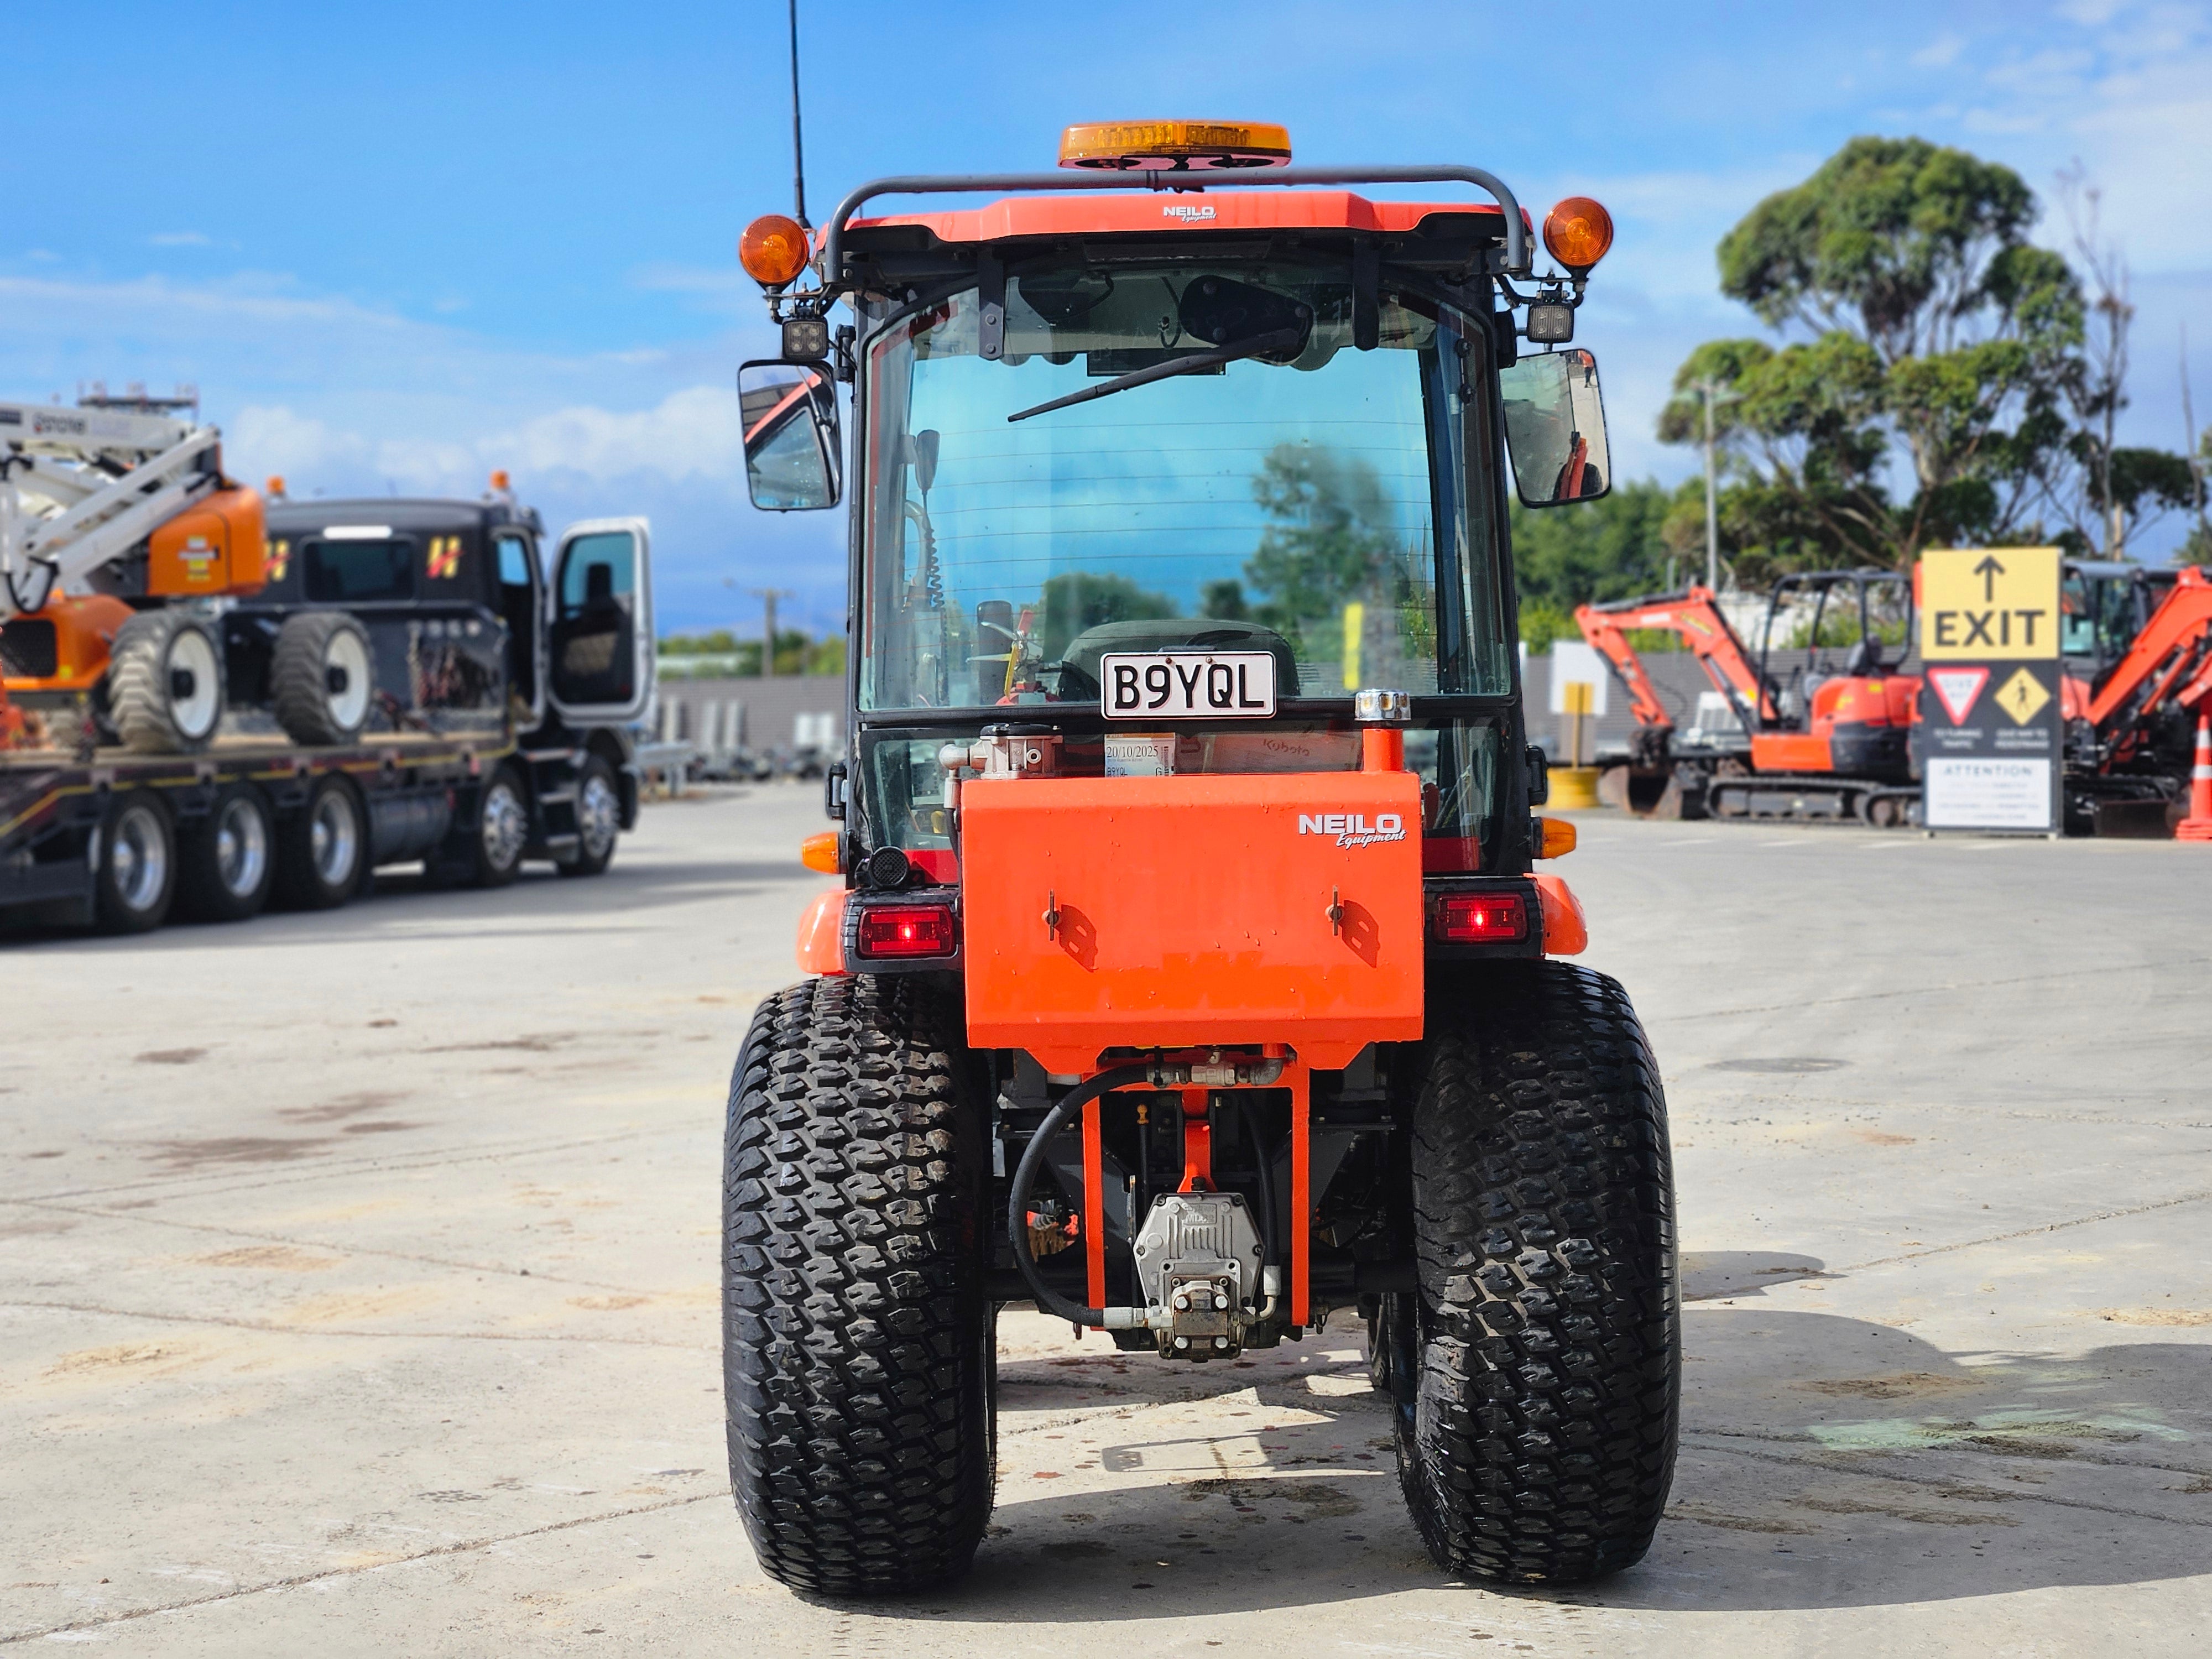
(1281, 339)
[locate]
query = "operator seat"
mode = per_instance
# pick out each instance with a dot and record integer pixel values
(594, 649)
(1865, 661)
(1079, 664)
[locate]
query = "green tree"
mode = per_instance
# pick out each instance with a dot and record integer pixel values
(2103, 492)
(1329, 537)
(1939, 337)
(718, 643)
(1077, 599)
(1609, 548)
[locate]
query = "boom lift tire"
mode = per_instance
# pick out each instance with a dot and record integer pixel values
(138, 874)
(1535, 1373)
(165, 684)
(322, 850)
(599, 819)
(226, 862)
(858, 1349)
(322, 678)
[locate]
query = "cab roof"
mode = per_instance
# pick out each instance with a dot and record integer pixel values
(912, 246)
(1169, 211)
(298, 515)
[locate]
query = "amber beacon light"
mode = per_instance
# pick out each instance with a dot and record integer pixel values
(1174, 146)
(773, 250)
(1578, 231)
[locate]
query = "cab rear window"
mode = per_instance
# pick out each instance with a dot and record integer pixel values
(357, 572)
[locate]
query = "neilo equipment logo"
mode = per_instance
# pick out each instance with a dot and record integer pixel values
(1185, 212)
(1352, 829)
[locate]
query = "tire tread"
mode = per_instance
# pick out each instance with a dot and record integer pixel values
(856, 1389)
(1544, 1420)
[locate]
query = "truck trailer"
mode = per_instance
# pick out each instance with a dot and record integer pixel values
(474, 714)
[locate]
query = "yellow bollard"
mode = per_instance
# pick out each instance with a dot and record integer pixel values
(1575, 785)
(1571, 786)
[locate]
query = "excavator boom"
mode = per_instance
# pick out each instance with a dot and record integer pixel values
(1694, 614)
(2172, 644)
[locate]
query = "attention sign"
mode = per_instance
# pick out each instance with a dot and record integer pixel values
(1989, 739)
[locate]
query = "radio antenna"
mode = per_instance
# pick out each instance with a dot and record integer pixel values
(797, 145)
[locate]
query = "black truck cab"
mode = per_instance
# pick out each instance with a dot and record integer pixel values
(474, 633)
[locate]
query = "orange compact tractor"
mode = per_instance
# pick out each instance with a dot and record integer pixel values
(1191, 977)
(1823, 727)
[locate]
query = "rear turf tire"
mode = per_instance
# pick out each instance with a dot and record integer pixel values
(857, 1345)
(1534, 1375)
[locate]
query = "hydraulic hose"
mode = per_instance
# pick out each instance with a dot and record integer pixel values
(1266, 1165)
(1049, 1301)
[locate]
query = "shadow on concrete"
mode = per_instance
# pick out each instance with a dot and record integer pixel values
(1826, 1461)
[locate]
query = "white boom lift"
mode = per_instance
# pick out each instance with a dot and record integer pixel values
(109, 517)
(80, 488)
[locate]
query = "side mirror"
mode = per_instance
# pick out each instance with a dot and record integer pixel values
(793, 456)
(1555, 428)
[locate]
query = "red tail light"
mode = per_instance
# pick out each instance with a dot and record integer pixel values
(908, 930)
(1480, 918)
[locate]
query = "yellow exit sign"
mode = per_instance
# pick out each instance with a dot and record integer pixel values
(1988, 604)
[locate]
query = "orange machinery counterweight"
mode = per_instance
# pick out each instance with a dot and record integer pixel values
(1177, 911)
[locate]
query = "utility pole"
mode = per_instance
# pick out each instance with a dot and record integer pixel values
(768, 597)
(1710, 393)
(2196, 460)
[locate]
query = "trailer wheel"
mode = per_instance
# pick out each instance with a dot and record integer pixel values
(165, 684)
(598, 820)
(226, 862)
(322, 678)
(502, 829)
(323, 848)
(136, 875)
(858, 1355)
(1535, 1375)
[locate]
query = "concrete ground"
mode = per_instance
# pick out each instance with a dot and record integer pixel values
(357, 1287)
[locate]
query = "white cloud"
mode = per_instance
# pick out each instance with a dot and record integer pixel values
(692, 435)
(180, 239)
(720, 290)
(1939, 53)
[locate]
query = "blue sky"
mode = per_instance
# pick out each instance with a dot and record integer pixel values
(400, 244)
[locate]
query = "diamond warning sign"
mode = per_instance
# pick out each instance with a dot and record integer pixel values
(1957, 688)
(2022, 697)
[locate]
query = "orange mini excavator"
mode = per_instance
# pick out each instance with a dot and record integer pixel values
(1824, 726)
(2138, 649)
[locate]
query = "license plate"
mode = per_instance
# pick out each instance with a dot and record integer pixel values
(1190, 685)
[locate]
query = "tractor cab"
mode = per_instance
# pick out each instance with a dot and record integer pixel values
(1189, 928)
(2103, 603)
(1170, 477)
